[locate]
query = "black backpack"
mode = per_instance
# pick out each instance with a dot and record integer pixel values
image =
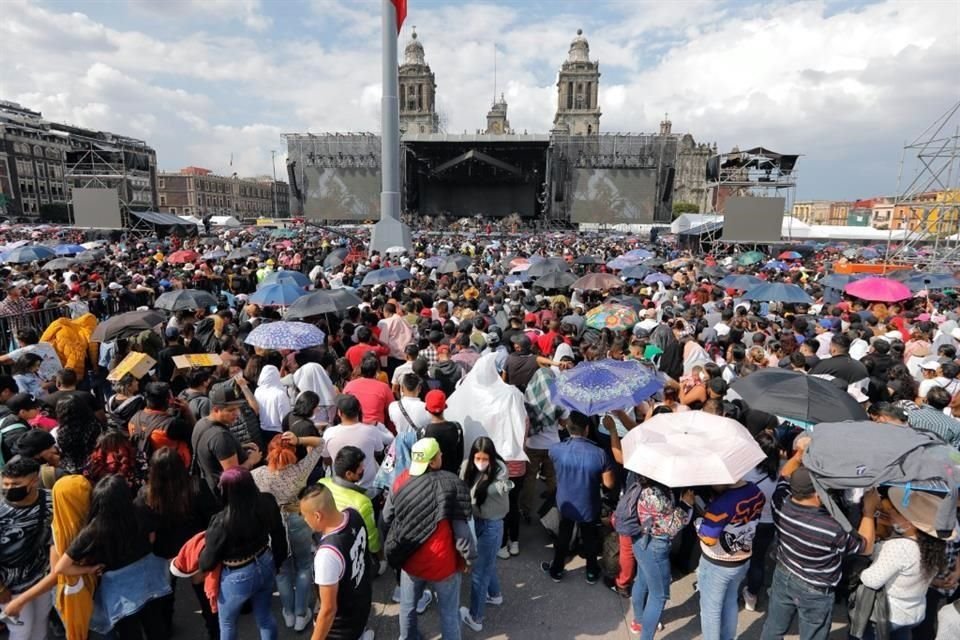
(10, 425)
(626, 519)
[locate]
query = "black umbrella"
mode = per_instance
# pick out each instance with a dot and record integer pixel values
(60, 263)
(240, 254)
(89, 256)
(185, 300)
(336, 258)
(126, 325)
(550, 265)
(588, 260)
(323, 301)
(556, 280)
(452, 264)
(792, 394)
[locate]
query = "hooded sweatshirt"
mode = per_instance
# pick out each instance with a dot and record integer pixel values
(272, 399)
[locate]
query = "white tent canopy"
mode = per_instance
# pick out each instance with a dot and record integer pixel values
(224, 221)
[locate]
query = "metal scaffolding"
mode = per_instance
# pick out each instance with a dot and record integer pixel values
(928, 206)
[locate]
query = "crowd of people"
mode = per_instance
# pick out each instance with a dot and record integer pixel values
(404, 430)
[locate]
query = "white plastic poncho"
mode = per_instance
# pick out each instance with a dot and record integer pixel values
(485, 405)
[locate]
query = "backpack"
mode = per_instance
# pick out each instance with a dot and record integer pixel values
(627, 523)
(197, 402)
(10, 424)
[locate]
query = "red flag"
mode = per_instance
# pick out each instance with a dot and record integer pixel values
(401, 6)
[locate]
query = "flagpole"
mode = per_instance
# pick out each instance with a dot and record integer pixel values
(389, 231)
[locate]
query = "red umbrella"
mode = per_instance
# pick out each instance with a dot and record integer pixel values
(878, 290)
(182, 256)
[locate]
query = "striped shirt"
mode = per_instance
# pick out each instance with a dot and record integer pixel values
(926, 418)
(810, 543)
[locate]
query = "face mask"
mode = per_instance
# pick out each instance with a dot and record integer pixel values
(16, 494)
(481, 466)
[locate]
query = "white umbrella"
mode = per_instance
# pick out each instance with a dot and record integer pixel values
(691, 449)
(397, 250)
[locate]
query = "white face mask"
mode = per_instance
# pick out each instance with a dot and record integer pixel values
(481, 466)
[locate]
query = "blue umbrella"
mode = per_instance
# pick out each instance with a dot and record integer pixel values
(739, 282)
(839, 280)
(517, 277)
(636, 272)
(294, 278)
(433, 262)
(69, 249)
(286, 335)
(383, 276)
(778, 292)
(654, 278)
(216, 254)
(277, 295)
(595, 388)
(639, 254)
(921, 281)
(779, 265)
(622, 262)
(31, 253)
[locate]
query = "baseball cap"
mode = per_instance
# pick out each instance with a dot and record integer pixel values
(225, 395)
(34, 442)
(930, 365)
(801, 482)
(22, 402)
(530, 317)
(435, 401)
(423, 451)
(426, 313)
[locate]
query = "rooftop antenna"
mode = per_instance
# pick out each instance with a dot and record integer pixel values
(494, 73)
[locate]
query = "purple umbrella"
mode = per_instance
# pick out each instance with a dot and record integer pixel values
(595, 388)
(654, 278)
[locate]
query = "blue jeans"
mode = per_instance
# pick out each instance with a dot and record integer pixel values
(791, 597)
(651, 588)
(718, 587)
(483, 576)
(448, 603)
(255, 582)
(295, 578)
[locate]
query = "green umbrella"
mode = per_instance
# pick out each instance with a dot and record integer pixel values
(750, 257)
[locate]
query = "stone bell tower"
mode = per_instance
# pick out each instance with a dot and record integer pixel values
(578, 112)
(418, 91)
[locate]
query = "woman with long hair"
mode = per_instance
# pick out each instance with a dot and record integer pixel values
(167, 502)
(26, 371)
(485, 472)
(76, 434)
(115, 542)
(764, 475)
(115, 454)
(248, 540)
(283, 477)
(125, 402)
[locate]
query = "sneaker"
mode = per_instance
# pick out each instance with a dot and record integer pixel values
(425, 601)
(288, 618)
(611, 583)
(469, 621)
(592, 578)
(556, 577)
(495, 601)
(514, 548)
(504, 553)
(301, 623)
(749, 600)
(636, 627)
(396, 594)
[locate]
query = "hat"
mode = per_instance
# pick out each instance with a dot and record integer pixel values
(423, 451)
(171, 333)
(801, 483)
(426, 313)
(22, 402)
(930, 365)
(435, 401)
(826, 323)
(270, 261)
(722, 330)
(40, 288)
(188, 267)
(34, 442)
(225, 395)
(529, 317)
(530, 303)
(920, 508)
(113, 286)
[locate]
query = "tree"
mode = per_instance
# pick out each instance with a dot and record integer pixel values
(679, 208)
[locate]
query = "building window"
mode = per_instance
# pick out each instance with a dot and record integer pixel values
(38, 151)
(161, 184)
(186, 211)
(569, 95)
(173, 209)
(163, 200)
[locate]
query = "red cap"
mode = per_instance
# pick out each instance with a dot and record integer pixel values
(435, 401)
(426, 313)
(530, 317)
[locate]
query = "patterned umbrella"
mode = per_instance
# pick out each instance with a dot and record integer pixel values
(594, 388)
(612, 316)
(790, 255)
(294, 336)
(277, 295)
(183, 256)
(433, 262)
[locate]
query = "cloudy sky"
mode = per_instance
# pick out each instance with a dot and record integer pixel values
(844, 83)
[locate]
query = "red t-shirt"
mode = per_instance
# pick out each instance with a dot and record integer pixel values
(374, 397)
(356, 352)
(437, 559)
(546, 343)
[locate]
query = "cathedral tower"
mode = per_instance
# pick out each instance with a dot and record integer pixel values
(497, 117)
(578, 112)
(418, 91)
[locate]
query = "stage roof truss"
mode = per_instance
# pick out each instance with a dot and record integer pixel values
(479, 156)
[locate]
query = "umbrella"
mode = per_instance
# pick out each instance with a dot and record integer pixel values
(277, 295)
(185, 300)
(295, 336)
(629, 301)
(323, 301)
(216, 254)
(654, 278)
(240, 254)
(126, 325)
(294, 278)
(433, 262)
(739, 282)
(777, 265)
(94, 244)
(452, 264)
(691, 449)
(636, 272)
(778, 292)
(676, 264)
(396, 250)
(878, 290)
(839, 280)
(790, 255)
(598, 282)
(517, 277)
(622, 262)
(556, 280)
(32, 253)
(283, 233)
(89, 256)
(611, 316)
(921, 281)
(383, 276)
(588, 260)
(750, 257)
(792, 394)
(69, 249)
(182, 256)
(549, 265)
(594, 388)
(59, 263)
(639, 254)
(335, 258)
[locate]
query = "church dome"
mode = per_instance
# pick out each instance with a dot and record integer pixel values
(413, 53)
(579, 49)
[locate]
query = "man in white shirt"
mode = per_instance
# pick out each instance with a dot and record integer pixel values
(410, 353)
(409, 412)
(351, 431)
